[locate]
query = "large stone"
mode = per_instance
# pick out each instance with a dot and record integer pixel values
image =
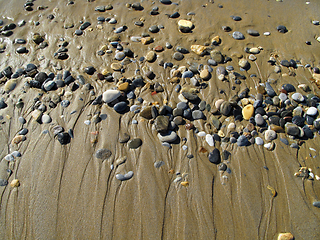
(270, 135)
(185, 26)
(135, 143)
(214, 156)
(146, 112)
(198, 49)
(225, 108)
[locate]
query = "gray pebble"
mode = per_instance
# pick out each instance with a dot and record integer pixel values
(237, 35)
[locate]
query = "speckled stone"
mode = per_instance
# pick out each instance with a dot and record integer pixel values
(135, 143)
(103, 153)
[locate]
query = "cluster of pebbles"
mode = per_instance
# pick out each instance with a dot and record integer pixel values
(290, 114)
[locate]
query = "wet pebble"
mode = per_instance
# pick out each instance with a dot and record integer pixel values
(120, 107)
(103, 153)
(124, 177)
(135, 143)
(169, 136)
(237, 35)
(214, 156)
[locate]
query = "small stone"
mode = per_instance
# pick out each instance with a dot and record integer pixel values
(158, 164)
(259, 141)
(10, 85)
(161, 123)
(243, 63)
(248, 111)
(120, 107)
(254, 50)
(269, 146)
(214, 156)
(178, 56)
(15, 183)
(253, 32)
(22, 50)
(205, 74)
(169, 136)
(197, 114)
(135, 143)
(110, 95)
(285, 236)
(46, 118)
(210, 140)
(146, 112)
(185, 26)
(282, 29)
(298, 97)
(270, 135)
(316, 204)
(36, 115)
(242, 141)
(216, 40)
(217, 56)
(151, 56)
(103, 153)
(237, 35)
(312, 111)
(292, 129)
(124, 177)
(225, 108)
(198, 49)
(116, 66)
(63, 138)
(3, 182)
(65, 103)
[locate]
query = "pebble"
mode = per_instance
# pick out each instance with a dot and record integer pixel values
(23, 131)
(158, 164)
(46, 118)
(3, 182)
(259, 141)
(10, 85)
(269, 146)
(237, 35)
(151, 56)
(242, 141)
(285, 236)
(282, 29)
(285, 141)
(135, 143)
(298, 97)
(197, 114)
(312, 111)
(253, 32)
(169, 136)
(214, 156)
(161, 123)
(185, 26)
(63, 138)
(178, 56)
(9, 157)
(270, 135)
(124, 177)
(247, 111)
(210, 140)
(87, 122)
(110, 95)
(103, 153)
(15, 183)
(316, 204)
(225, 108)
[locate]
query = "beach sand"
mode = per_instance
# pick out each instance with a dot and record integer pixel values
(66, 192)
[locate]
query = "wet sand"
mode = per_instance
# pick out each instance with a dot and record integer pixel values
(66, 192)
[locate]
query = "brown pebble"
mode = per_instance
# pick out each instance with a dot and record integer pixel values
(285, 236)
(185, 184)
(250, 127)
(202, 150)
(171, 171)
(123, 86)
(158, 48)
(15, 183)
(146, 40)
(18, 139)
(189, 126)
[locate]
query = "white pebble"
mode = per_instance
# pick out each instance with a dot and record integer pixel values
(266, 33)
(201, 134)
(210, 140)
(87, 122)
(184, 147)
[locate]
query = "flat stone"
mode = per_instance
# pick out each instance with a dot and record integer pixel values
(259, 120)
(190, 96)
(210, 140)
(146, 112)
(292, 129)
(243, 63)
(161, 123)
(103, 153)
(178, 56)
(169, 136)
(120, 56)
(158, 164)
(237, 35)
(316, 204)
(135, 143)
(253, 32)
(270, 91)
(110, 95)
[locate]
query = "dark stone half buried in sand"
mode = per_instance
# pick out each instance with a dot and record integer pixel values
(63, 138)
(135, 143)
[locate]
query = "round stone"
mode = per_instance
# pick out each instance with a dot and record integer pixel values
(205, 74)
(103, 153)
(135, 143)
(120, 107)
(298, 97)
(244, 63)
(247, 111)
(46, 118)
(151, 56)
(253, 32)
(197, 114)
(237, 35)
(178, 56)
(225, 107)
(258, 141)
(312, 111)
(65, 103)
(214, 156)
(120, 56)
(259, 120)
(282, 29)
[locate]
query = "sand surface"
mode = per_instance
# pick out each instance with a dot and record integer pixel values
(66, 192)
